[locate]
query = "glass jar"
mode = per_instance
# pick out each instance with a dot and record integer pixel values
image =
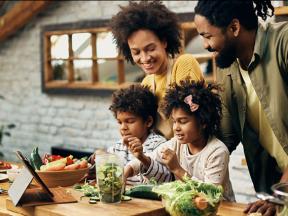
(109, 177)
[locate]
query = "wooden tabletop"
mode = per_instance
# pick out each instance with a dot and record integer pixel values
(135, 206)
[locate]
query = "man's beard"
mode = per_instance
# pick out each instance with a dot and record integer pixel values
(226, 56)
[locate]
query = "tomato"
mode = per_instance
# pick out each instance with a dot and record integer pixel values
(54, 157)
(201, 202)
(5, 165)
(69, 161)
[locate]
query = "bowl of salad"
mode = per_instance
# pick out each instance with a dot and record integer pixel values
(190, 197)
(109, 174)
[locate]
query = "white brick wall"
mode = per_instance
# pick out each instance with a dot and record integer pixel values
(46, 120)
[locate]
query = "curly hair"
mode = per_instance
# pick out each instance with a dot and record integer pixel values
(153, 16)
(220, 13)
(209, 112)
(135, 99)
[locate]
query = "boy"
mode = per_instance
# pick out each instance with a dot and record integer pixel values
(135, 109)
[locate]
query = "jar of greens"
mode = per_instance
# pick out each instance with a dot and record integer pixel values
(109, 176)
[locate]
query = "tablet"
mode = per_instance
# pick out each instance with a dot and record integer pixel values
(32, 171)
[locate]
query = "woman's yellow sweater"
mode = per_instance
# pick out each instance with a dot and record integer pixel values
(185, 65)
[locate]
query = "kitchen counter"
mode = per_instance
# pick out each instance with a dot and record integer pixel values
(133, 207)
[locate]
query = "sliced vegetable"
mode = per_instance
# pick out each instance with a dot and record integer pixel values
(72, 167)
(125, 198)
(88, 190)
(83, 164)
(201, 202)
(54, 166)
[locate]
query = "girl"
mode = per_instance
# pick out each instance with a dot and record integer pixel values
(194, 151)
(148, 35)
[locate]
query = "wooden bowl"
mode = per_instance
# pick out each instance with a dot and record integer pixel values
(62, 178)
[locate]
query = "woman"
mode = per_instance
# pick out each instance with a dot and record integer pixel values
(148, 35)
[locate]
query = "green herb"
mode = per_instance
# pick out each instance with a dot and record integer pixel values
(88, 190)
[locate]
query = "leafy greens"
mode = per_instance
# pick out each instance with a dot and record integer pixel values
(190, 197)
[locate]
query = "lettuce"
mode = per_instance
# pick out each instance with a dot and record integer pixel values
(190, 197)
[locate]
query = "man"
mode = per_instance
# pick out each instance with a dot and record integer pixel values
(252, 62)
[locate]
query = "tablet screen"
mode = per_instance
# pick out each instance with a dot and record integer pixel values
(32, 171)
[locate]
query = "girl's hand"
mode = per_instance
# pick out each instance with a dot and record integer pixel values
(135, 147)
(169, 158)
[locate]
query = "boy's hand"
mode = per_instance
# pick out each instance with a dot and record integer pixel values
(125, 139)
(135, 147)
(128, 172)
(169, 158)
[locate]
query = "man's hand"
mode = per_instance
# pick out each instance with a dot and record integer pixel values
(263, 207)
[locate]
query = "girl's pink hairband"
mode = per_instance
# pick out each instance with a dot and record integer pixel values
(189, 100)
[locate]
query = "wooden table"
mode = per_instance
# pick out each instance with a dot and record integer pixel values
(134, 207)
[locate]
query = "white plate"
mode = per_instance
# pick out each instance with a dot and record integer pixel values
(5, 170)
(3, 177)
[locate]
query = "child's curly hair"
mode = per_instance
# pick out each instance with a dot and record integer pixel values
(153, 16)
(209, 112)
(135, 99)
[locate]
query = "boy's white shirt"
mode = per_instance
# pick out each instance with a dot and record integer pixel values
(208, 165)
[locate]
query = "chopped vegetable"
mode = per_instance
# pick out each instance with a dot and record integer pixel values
(93, 193)
(91, 201)
(88, 190)
(189, 197)
(110, 182)
(125, 198)
(54, 165)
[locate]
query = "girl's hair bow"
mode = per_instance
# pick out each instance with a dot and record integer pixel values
(189, 100)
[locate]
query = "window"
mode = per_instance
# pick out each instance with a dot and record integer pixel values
(82, 58)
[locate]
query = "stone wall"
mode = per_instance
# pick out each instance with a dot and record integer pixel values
(46, 120)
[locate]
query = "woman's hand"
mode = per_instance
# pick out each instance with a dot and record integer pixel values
(263, 207)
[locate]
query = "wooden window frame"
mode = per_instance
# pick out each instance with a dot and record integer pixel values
(50, 86)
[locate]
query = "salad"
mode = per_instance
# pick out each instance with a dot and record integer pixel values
(189, 197)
